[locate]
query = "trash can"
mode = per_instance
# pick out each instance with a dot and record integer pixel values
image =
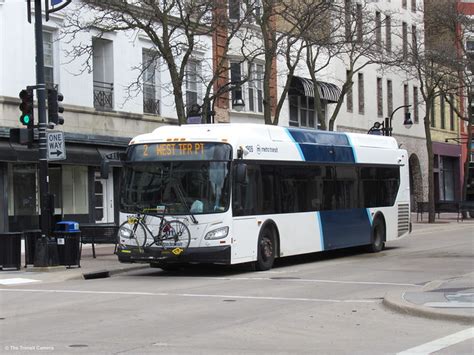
(46, 252)
(10, 250)
(31, 236)
(68, 238)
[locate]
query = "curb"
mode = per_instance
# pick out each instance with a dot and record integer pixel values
(396, 302)
(108, 272)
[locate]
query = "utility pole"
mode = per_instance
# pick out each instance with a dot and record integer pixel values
(41, 96)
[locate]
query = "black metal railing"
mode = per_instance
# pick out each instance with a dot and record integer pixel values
(103, 95)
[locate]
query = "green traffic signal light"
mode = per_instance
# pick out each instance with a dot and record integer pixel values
(25, 119)
(26, 107)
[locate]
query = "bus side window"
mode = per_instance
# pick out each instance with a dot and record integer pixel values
(247, 196)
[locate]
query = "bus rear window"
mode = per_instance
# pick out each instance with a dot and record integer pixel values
(179, 151)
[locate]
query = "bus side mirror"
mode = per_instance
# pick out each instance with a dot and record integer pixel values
(104, 169)
(241, 173)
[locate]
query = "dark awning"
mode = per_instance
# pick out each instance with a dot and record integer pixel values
(304, 87)
(75, 154)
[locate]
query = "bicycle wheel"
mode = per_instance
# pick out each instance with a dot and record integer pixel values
(174, 234)
(135, 232)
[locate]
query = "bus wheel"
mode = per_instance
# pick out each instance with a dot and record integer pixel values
(266, 250)
(378, 236)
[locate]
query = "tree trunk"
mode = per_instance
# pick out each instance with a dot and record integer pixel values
(429, 149)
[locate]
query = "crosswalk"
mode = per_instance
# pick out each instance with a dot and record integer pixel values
(17, 281)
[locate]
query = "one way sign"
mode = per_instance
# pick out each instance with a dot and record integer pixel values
(56, 146)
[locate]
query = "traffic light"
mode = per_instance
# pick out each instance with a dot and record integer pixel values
(26, 107)
(54, 108)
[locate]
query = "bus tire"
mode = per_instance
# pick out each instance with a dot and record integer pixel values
(266, 250)
(378, 236)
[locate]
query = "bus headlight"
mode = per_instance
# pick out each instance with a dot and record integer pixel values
(218, 233)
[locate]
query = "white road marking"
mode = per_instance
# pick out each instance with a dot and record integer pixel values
(289, 279)
(441, 343)
(17, 281)
(131, 293)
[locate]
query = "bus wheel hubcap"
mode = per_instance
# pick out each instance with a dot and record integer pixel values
(267, 248)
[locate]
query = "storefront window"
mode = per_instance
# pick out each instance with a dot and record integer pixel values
(55, 188)
(22, 196)
(75, 190)
(447, 183)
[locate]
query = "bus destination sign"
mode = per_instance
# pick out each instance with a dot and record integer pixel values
(179, 151)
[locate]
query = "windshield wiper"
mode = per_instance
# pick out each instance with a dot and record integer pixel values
(180, 194)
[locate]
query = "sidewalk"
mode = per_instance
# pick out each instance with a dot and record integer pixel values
(451, 299)
(105, 264)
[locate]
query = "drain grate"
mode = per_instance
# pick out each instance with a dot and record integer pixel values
(96, 275)
(285, 278)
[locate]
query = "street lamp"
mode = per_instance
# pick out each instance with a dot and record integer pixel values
(238, 103)
(194, 115)
(386, 127)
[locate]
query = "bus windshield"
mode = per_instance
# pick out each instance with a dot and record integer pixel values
(183, 187)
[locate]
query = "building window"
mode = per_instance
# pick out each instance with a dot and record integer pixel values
(404, 4)
(451, 112)
(388, 34)
(406, 99)
(414, 43)
(413, 5)
(55, 187)
(415, 105)
(255, 88)
(48, 57)
(378, 31)
(75, 189)
(193, 89)
(22, 196)
(442, 111)
(361, 93)
(379, 98)
(447, 178)
(359, 23)
(236, 77)
(389, 97)
(151, 102)
(405, 40)
(103, 72)
(257, 10)
(349, 94)
(302, 113)
(234, 10)
(348, 19)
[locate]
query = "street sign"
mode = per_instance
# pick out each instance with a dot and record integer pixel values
(56, 145)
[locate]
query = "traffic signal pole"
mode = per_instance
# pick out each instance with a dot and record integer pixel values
(42, 125)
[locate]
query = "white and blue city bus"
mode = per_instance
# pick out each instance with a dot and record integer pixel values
(253, 193)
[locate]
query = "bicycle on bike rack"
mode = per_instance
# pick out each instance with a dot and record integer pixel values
(171, 235)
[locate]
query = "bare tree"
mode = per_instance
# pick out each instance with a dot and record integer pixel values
(283, 26)
(176, 29)
(457, 28)
(433, 62)
(356, 30)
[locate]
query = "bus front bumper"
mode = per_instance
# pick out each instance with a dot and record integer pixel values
(214, 255)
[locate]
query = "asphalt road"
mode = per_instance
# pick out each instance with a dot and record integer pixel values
(318, 304)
